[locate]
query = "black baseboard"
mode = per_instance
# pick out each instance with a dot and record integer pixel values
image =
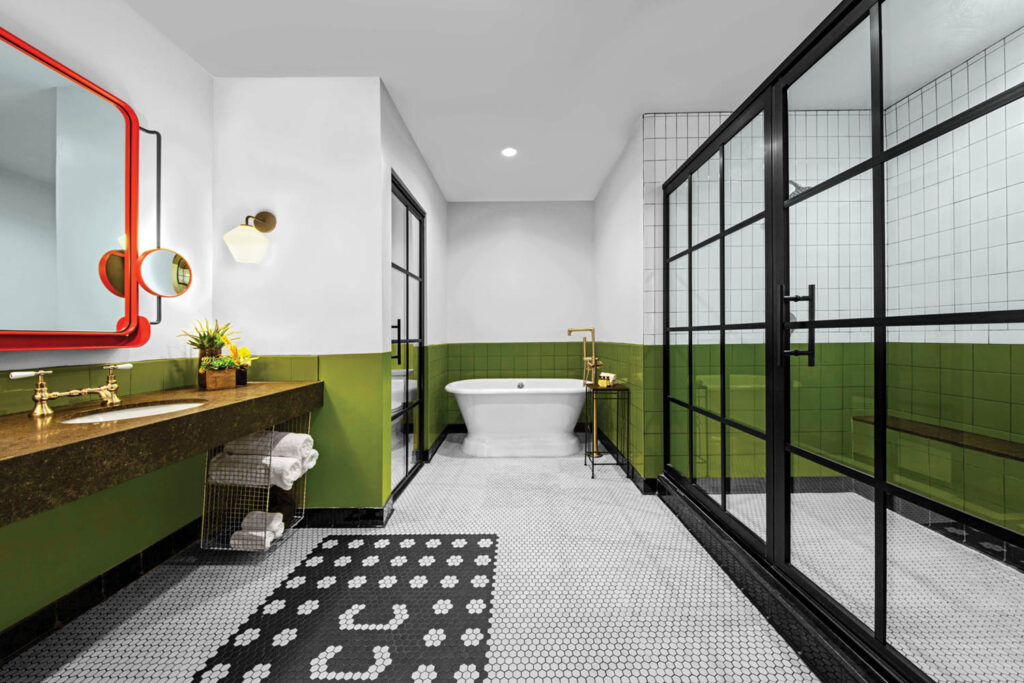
(337, 518)
(645, 486)
(829, 654)
(448, 429)
(58, 613)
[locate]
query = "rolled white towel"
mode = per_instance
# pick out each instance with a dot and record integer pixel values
(309, 462)
(258, 520)
(251, 540)
(251, 470)
(277, 444)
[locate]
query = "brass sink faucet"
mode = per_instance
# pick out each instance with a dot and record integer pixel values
(590, 365)
(107, 392)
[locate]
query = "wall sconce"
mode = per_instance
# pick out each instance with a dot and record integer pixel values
(247, 242)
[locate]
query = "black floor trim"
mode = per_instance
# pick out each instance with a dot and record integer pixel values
(58, 613)
(645, 486)
(824, 650)
(340, 518)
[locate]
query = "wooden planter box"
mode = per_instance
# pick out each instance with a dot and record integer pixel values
(218, 379)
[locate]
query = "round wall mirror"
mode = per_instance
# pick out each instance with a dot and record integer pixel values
(164, 272)
(112, 271)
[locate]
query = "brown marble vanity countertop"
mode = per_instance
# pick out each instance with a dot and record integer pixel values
(46, 463)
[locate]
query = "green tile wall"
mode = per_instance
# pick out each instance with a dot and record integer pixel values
(46, 556)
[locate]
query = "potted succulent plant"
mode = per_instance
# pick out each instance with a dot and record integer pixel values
(218, 371)
(209, 340)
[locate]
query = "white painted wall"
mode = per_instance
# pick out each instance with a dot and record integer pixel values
(619, 248)
(402, 155)
(309, 150)
(519, 271)
(109, 43)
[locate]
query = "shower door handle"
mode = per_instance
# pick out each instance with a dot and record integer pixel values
(398, 341)
(788, 299)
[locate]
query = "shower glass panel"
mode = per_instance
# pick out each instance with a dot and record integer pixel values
(745, 468)
(832, 404)
(745, 378)
(832, 535)
(678, 282)
(705, 210)
(830, 241)
(952, 608)
(414, 244)
(942, 58)
(679, 366)
(399, 448)
(744, 173)
(678, 219)
(679, 439)
(744, 275)
(954, 232)
(707, 455)
(706, 286)
(707, 366)
(829, 113)
(399, 233)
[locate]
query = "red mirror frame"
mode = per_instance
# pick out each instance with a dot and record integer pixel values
(132, 329)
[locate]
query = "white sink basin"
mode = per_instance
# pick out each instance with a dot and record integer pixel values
(118, 414)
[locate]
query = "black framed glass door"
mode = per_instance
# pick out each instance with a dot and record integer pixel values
(408, 223)
(840, 255)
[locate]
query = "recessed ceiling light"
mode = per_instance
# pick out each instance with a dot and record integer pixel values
(509, 152)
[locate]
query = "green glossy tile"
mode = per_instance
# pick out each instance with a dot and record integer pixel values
(992, 386)
(306, 368)
(991, 414)
(957, 356)
(992, 357)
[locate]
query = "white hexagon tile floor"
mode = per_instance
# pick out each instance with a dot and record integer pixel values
(592, 582)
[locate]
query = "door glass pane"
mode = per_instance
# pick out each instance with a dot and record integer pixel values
(744, 173)
(399, 313)
(832, 404)
(954, 228)
(744, 275)
(955, 625)
(399, 448)
(706, 218)
(414, 244)
(679, 366)
(830, 113)
(944, 57)
(679, 293)
(745, 377)
(707, 363)
(707, 455)
(415, 330)
(398, 232)
(706, 286)
(679, 439)
(833, 535)
(830, 246)
(745, 467)
(678, 215)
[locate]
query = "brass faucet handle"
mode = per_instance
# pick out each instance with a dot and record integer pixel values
(111, 398)
(25, 374)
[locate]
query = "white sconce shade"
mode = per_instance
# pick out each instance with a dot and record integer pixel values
(247, 244)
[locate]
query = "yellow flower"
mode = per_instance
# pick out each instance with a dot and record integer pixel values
(244, 351)
(234, 350)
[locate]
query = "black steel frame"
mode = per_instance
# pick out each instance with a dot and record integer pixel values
(412, 207)
(770, 99)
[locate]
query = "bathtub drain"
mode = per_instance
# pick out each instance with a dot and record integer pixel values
(520, 385)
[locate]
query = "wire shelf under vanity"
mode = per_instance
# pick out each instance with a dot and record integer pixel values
(226, 503)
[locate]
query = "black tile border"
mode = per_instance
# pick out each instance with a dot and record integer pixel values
(38, 625)
(340, 518)
(823, 649)
(647, 487)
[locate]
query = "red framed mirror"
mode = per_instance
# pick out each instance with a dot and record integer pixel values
(72, 175)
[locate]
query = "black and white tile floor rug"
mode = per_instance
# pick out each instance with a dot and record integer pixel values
(404, 607)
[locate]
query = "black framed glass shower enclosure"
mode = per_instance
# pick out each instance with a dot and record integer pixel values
(408, 225)
(845, 252)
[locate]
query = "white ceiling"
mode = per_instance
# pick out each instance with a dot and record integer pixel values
(561, 80)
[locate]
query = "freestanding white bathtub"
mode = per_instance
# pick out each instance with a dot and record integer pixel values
(508, 417)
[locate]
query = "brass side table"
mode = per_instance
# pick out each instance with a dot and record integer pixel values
(619, 393)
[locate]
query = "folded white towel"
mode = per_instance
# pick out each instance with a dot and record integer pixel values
(277, 444)
(251, 540)
(258, 520)
(252, 470)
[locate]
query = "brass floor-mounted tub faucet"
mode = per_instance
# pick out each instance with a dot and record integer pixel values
(590, 365)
